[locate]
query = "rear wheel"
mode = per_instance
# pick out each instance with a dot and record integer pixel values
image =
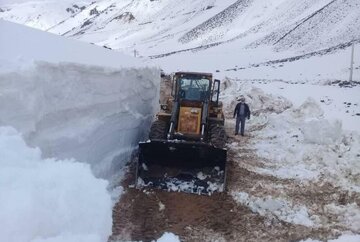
(217, 135)
(158, 130)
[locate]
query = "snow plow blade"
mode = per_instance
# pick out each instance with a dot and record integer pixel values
(181, 166)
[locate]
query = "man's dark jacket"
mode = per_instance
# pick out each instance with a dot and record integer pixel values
(237, 110)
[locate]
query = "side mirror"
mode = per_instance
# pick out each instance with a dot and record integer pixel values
(216, 92)
(173, 86)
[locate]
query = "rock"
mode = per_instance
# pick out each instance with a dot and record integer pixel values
(94, 11)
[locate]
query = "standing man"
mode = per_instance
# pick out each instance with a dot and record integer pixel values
(241, 112)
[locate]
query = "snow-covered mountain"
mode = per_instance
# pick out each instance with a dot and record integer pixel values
(41, 14)
(231, 35)
(295, 174)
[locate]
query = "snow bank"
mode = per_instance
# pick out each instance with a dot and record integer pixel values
(74, 109)
(297, 142)
(52, 93)
(26, 44)
(49, 199)
(334, 101)
(311, 147)
(259, 101)
(93, 114)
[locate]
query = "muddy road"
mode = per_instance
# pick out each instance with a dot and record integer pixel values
(146, 214)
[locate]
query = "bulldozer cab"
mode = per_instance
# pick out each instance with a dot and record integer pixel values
(193, 93)
(187, 139)
(195, 87)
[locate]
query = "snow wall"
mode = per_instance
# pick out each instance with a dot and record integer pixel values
(92, 114)
(49, 200)
(73, 113)
(70, 119)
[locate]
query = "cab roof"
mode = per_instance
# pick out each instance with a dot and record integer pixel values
(194, 73)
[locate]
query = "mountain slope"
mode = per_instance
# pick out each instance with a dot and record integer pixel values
(263, 30)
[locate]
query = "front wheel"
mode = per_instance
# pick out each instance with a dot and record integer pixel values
(158, 130)
(217, 135)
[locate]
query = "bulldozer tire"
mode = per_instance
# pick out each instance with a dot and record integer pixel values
(158, 130)
(218, 136)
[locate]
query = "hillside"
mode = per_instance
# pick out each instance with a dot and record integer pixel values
(240, 34)
(75, 104)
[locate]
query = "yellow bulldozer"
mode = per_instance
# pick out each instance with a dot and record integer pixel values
(186, 148)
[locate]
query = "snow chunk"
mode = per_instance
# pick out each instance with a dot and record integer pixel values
(322, 132)
(201, 176)
(48, 199)
(309, 109)
(348, 214)
(342, 238)
(347, 238)
(168, 237)
(161, 206)
(299, 172)
(275, 207)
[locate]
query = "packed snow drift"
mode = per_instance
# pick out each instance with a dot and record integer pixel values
(94, 114)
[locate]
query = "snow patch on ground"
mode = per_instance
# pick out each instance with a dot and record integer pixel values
(275, 208)
(342, 238)
(168, 237)
(49, 199)
(348, 214)
(347, 238)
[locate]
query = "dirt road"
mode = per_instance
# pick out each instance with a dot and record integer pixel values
(146, 214)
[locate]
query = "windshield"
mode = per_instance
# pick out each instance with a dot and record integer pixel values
(193, 88)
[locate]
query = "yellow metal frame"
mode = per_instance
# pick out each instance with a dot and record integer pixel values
(189, 120)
